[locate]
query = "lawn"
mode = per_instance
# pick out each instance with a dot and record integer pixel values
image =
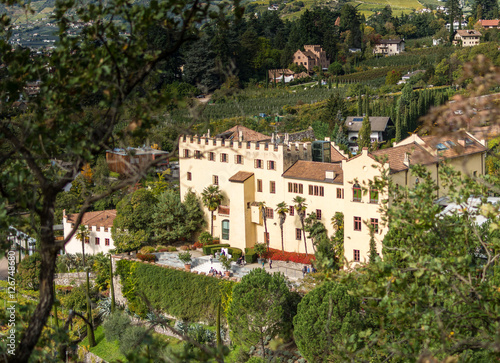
(108, 351)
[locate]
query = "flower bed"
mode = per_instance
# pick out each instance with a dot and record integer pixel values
(278, 255)
(146, 257)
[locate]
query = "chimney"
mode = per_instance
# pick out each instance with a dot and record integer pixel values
(272, 138)
(287, 138)
(64, 214)
(240, 136)
(406, 160)
(327, 139)
(329, 174)
(208, 133)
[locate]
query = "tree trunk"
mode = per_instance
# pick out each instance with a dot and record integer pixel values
(111, 284)
(304, 233)
(282, 244)
(90, 328)
(42, 311)
(212, 223)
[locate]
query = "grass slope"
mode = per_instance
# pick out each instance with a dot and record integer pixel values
(109, 351)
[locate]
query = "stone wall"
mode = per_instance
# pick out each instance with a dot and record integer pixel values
(73, 278)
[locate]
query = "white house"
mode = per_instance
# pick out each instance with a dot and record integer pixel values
(99, 224)
(379, 126)
(389, 47)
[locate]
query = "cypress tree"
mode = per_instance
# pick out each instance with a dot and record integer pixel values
(398, 127)
(364, 134)
(360, 104)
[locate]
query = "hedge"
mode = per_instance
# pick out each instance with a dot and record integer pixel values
(207, 250)
(250, 255)
(182, 294)
(233, 251)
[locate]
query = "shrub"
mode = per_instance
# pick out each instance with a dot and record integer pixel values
(131, 338)
(185, 257)
(235, 253)
(250, 256)
(161, 247)
(172, 249)
(185, 248)
(115, 325)
(206, 238)
(149, 257)
(28, 274)
(260, 249)
(147, 249)
(197, 244)
(153, 281)
(76, 299)
(207, 250)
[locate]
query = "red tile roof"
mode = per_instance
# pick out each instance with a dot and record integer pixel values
(493, 22)
(314, 170)
(240, 176)
(336, 155)
(248, 134)
(103, 218)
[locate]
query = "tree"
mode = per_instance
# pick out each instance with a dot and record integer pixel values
(282, 209)
(53, 139)
(83, 235)
(194, 216)
(364, 139)
(263, 211)
(257, 308)
(314, 227)
(392, 77)
(169, 218)
(327, 318)
(301, 207)
(212, 198)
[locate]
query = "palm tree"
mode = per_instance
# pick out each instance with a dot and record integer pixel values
(82, 234)
(301, 207)
(212, 198)
(262, 207)
(282, 210)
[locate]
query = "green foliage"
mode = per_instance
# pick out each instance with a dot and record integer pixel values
(169, 218)
(364, 139)
(393, 76)
(76, 299)
(257, 308)
(185, 257)
(132, 338)
(115, 325)
(147, 249)
(326, 319)
(208, 249)
(206, 238)
(139, 279)
(28, 272)
(260, 249)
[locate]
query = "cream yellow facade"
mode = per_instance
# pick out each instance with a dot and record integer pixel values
(249, 173)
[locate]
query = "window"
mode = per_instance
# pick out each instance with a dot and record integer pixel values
(225, 229)
(297, 188)
(97, 241)
(374, 195)
(357, 223)
(292, 210)
(215, 180)
(321, 191)
(311, 189)
(186, 153)
(259, 185)
(189, 176)
(223, 158)
(211, 156)
(356, 255)
(374, 223)
(87, 240)
(271, 165)
(197, 154)
(340, 193)
(269, 213)
(290, 187)
(259, 163)
(298, 234)
(106, 241)
(356, 193)
(272, 187)
(318, 213)
(238, 159)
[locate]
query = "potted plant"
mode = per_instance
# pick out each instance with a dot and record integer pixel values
(260, 250)
(226, 263)
(186, 258)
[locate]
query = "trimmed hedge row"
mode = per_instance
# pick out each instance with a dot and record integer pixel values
(207, 250)
(233, 251)
(182, 294)
(250, 255)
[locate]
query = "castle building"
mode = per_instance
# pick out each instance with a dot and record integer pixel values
(311, 56)
(251, 172)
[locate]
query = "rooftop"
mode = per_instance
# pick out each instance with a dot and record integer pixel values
(353, 123)
(247, 134)
(240, 176)
(314, 170)
(103, 218)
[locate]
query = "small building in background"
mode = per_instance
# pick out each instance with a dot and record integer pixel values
(311, 56)
(467, 38)
(382, 130)
(99, 226)
(389, 47)
(129, 160)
